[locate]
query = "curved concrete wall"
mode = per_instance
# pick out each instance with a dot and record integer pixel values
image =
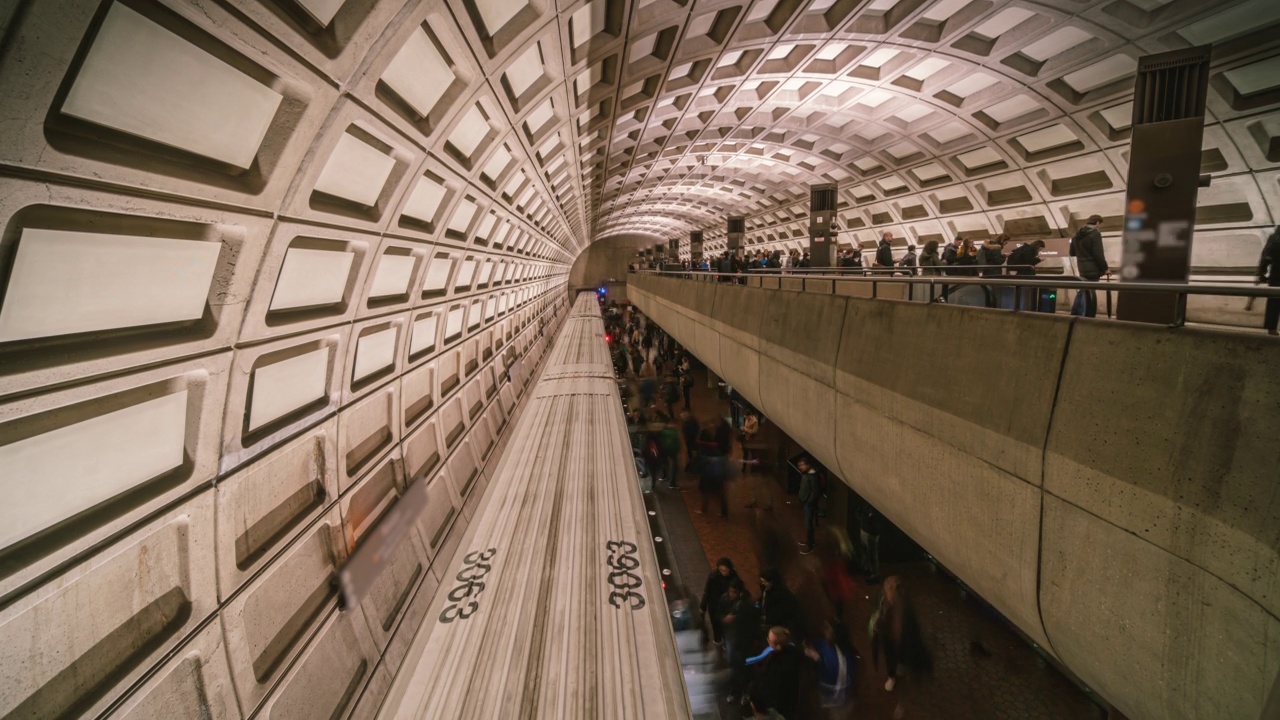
(1108, 486)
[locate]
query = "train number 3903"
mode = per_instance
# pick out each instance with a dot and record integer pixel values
(622, 559)
(464, 598)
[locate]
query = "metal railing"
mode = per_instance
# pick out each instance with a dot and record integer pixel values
(940, 288)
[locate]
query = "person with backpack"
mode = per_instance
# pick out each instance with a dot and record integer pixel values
(992, 255)
(909, 262)
(1269, 272)
(930, 262)
(1091, 260)
(1024, 258)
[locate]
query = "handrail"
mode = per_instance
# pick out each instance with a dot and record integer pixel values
(1259, 291)
(947, 282)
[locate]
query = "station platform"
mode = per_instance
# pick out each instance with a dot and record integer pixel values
(1005, 678)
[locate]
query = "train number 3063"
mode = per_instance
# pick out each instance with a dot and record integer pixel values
(626, 584)
(464, 598)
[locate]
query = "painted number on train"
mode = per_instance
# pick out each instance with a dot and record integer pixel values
(626, 584)
(464, 598)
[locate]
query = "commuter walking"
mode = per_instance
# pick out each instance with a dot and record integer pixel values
(884, 251)
(689, 427)
(711, 470)
(718, 582)
(896, 635)
(686, 384)
(931, 262)
(778, 606)
(966, 257)
(870, 524)
(810, 492)
(669, 439)
(992, 255)
(834, 656)
(1269, 272)
(1091, 259)
(952, 250)
(670, 394)
(738, 621)
(1024, 258)
(750, 427)
(779, 679)
(909, 262)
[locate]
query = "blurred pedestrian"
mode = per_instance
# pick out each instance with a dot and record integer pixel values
(834, 655)
(779, 672)
(689, 427)
(718, 581)
(738, 620)
(778, 606)
(896, 635)
(711, 470)
(810, 493)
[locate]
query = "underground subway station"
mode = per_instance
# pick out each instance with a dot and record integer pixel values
(639, 359)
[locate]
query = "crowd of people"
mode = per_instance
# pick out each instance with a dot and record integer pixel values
(767, 639)
(963, 257)
(782, 660)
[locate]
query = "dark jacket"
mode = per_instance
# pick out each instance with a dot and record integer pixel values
(910, 261)
(809, 490)
(931, 264)
(884, 253)
(990, 254)
(715, 587)
(949, 254)
(746, 621)
(777, 605)
(1090, 257)
(780, 680)
(689, 428)
(1025, 255)
(899, 639)
(1269, 263)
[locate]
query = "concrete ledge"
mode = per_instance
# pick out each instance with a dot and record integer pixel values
(1173, 436)
(1156, 635)
(1153, 451)
(982, 380)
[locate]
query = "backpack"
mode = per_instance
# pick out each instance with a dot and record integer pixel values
(1075, 239)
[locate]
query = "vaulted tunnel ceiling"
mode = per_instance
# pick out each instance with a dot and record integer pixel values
(934, 117)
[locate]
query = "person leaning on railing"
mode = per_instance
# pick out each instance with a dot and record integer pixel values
(931, 262)
(1024, 258)
(1269, 272)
